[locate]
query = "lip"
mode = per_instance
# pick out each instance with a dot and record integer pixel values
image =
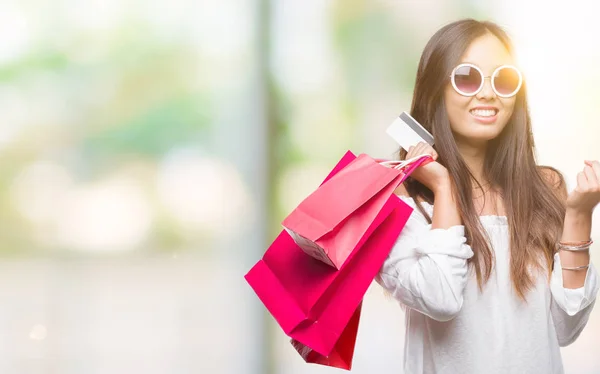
(485, 120)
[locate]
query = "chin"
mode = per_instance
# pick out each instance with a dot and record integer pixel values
(481, 135)
(487, 134)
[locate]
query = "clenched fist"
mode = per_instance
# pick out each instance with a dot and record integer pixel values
(433, 175)
(586, 195)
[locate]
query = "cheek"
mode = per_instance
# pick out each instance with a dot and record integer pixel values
(456, 107)
(509, 107)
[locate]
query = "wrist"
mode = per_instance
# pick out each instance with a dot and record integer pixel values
(577, 226)
(444, 186)
(576, 213)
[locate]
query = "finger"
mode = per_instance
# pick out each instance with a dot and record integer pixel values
(425, 148)
(582, 183)
(591, 177)
(417, 150)
(420, 146)
(596, 166)
(433, 152)
(409, 153)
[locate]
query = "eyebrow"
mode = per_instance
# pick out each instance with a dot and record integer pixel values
(492, 70)
(495, 67)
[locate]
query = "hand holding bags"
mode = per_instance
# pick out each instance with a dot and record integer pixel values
(338, 217)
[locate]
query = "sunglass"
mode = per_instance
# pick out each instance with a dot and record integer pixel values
(467, 79)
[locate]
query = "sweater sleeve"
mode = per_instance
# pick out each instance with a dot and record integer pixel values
(426, 269)
(571, 308)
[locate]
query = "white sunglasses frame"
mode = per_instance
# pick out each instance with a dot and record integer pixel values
(483, 78)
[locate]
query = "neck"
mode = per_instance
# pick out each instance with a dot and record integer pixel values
(474, 156)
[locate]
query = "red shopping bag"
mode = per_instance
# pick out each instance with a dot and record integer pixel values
(313, 302)
(343, 352)
(337, 217)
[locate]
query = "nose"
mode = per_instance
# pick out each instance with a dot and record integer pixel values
(487, 92)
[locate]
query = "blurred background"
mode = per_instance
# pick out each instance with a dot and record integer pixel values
(149, 150)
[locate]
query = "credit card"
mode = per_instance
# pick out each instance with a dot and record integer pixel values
(407, 132)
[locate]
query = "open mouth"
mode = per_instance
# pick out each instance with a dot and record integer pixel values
(484, 113)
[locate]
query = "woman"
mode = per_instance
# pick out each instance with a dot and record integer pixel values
(493, 264)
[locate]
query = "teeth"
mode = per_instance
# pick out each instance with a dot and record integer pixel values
(483, 112)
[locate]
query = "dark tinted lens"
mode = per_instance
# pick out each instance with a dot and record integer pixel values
(467, 79)
(506, 81)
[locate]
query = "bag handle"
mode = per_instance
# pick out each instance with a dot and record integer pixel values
(400, 164)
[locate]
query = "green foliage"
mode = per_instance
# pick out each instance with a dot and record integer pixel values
(155, 130)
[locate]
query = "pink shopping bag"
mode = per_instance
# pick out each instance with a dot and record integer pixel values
(338, 217)
(313, 302)
(343, 351)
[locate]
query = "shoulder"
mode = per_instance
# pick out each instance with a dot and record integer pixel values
(554, 178)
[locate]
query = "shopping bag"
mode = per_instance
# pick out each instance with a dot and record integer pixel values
(338, 216)
(343, 352)
(313, 302)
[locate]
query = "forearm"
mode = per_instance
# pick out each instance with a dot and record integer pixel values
(445, 208)
(577, 228)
